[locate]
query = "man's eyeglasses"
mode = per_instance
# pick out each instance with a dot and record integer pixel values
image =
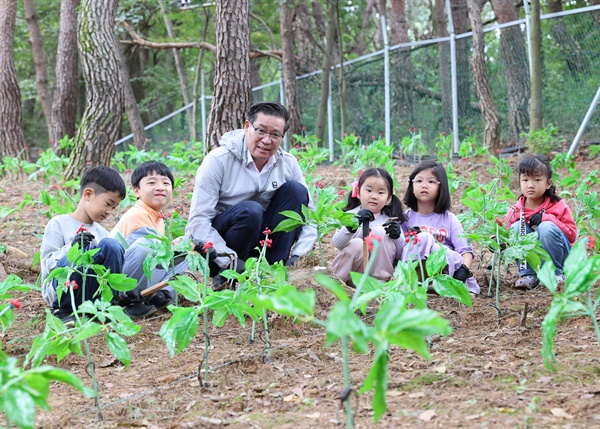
(429, 182)
(262, 133)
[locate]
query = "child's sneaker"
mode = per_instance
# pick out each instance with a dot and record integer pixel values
(65, 316)
(527, 282)
(139, 310)
(560, 279)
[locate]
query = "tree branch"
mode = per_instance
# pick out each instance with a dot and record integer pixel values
(139, 41)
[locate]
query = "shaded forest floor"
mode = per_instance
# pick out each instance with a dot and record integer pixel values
(488, 373)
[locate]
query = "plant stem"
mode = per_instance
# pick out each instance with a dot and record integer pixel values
(363, 279)
(206, 275)
(321, 260)
(347, 384)
(89, 355)
(268, 342)
(592, 313)
(498, 286)
(492, 271)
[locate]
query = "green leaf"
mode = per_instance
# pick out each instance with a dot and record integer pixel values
(180, 329)
(549, 330)
(188, 287)
(288, 301)
(436, 261)
(378, 379)
(88, 330)
(19, 407)
(342, 321)
(449, 287)
(288, 225)
(118, 347)
(121, 282)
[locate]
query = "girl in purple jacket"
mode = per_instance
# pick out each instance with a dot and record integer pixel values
(428, 199)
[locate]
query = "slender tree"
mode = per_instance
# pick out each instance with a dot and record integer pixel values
(516, 68)
(39, 59)
(327, 63)
(12, 141)
(535, 106)
(231, 97)
(289, 67)
(130, 104)
(491, 135)
(95, 141)
(64, 103)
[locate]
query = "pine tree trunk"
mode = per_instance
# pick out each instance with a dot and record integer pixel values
(95, 141)
(516, 69)
(12, 141)
(289, 70)
(444, 67)
(231, 97)
(491, 135)
(576, 62)
(39, 59)
(64, 104)
(130, 104)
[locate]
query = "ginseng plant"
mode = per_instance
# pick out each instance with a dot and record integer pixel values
(395, 323)
(91, 318)
(326, 216)
(582, 273)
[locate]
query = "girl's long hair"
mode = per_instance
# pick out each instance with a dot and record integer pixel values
(443, 201)
(393, 209)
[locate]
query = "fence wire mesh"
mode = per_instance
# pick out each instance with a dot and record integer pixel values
(421, 80)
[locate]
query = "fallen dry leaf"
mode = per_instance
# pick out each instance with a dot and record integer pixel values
(559, 412)
(291, 398)
(313, 415)
(441, 369)
(426, 416)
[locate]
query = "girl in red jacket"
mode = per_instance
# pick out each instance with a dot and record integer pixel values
(539, 209)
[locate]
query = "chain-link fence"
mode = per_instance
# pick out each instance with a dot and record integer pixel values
(420, 86)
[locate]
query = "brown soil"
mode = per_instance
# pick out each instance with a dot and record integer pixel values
(488, 373)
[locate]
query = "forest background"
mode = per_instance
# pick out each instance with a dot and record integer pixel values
(71, 80)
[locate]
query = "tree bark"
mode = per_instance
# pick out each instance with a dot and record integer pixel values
(361, 43)
(516, 69)
(535, 106)
(130, 104)
(403, 63)
(327, 62)
(232, 93)
(64, 104)
(289, 69)
(95, 141)
(491, 135)
(12, 141)
(41, 65)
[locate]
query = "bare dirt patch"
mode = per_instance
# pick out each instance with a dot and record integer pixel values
(488, 372)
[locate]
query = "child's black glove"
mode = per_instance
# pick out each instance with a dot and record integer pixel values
(291, 261)
(392, 229)
(463, 273)
(535, 220)
(86, 236)
(362, 216)
(415, 229)
(199, 247)
(502, 245)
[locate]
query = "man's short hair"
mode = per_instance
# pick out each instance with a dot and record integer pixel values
(269, 108)
(148, 168)
(103, 179)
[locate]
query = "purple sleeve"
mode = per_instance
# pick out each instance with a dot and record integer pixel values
(455, 239)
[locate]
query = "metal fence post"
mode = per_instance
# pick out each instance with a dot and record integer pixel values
(386, 75)
(330, 121)
(282, 100)
(203, 110)
(528, 32)
(455, 141)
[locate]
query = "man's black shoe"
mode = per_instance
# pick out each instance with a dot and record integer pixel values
(160, 300)
(65, 316)
(139, 310)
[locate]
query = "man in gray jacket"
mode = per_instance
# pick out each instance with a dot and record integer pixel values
(242, 186)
